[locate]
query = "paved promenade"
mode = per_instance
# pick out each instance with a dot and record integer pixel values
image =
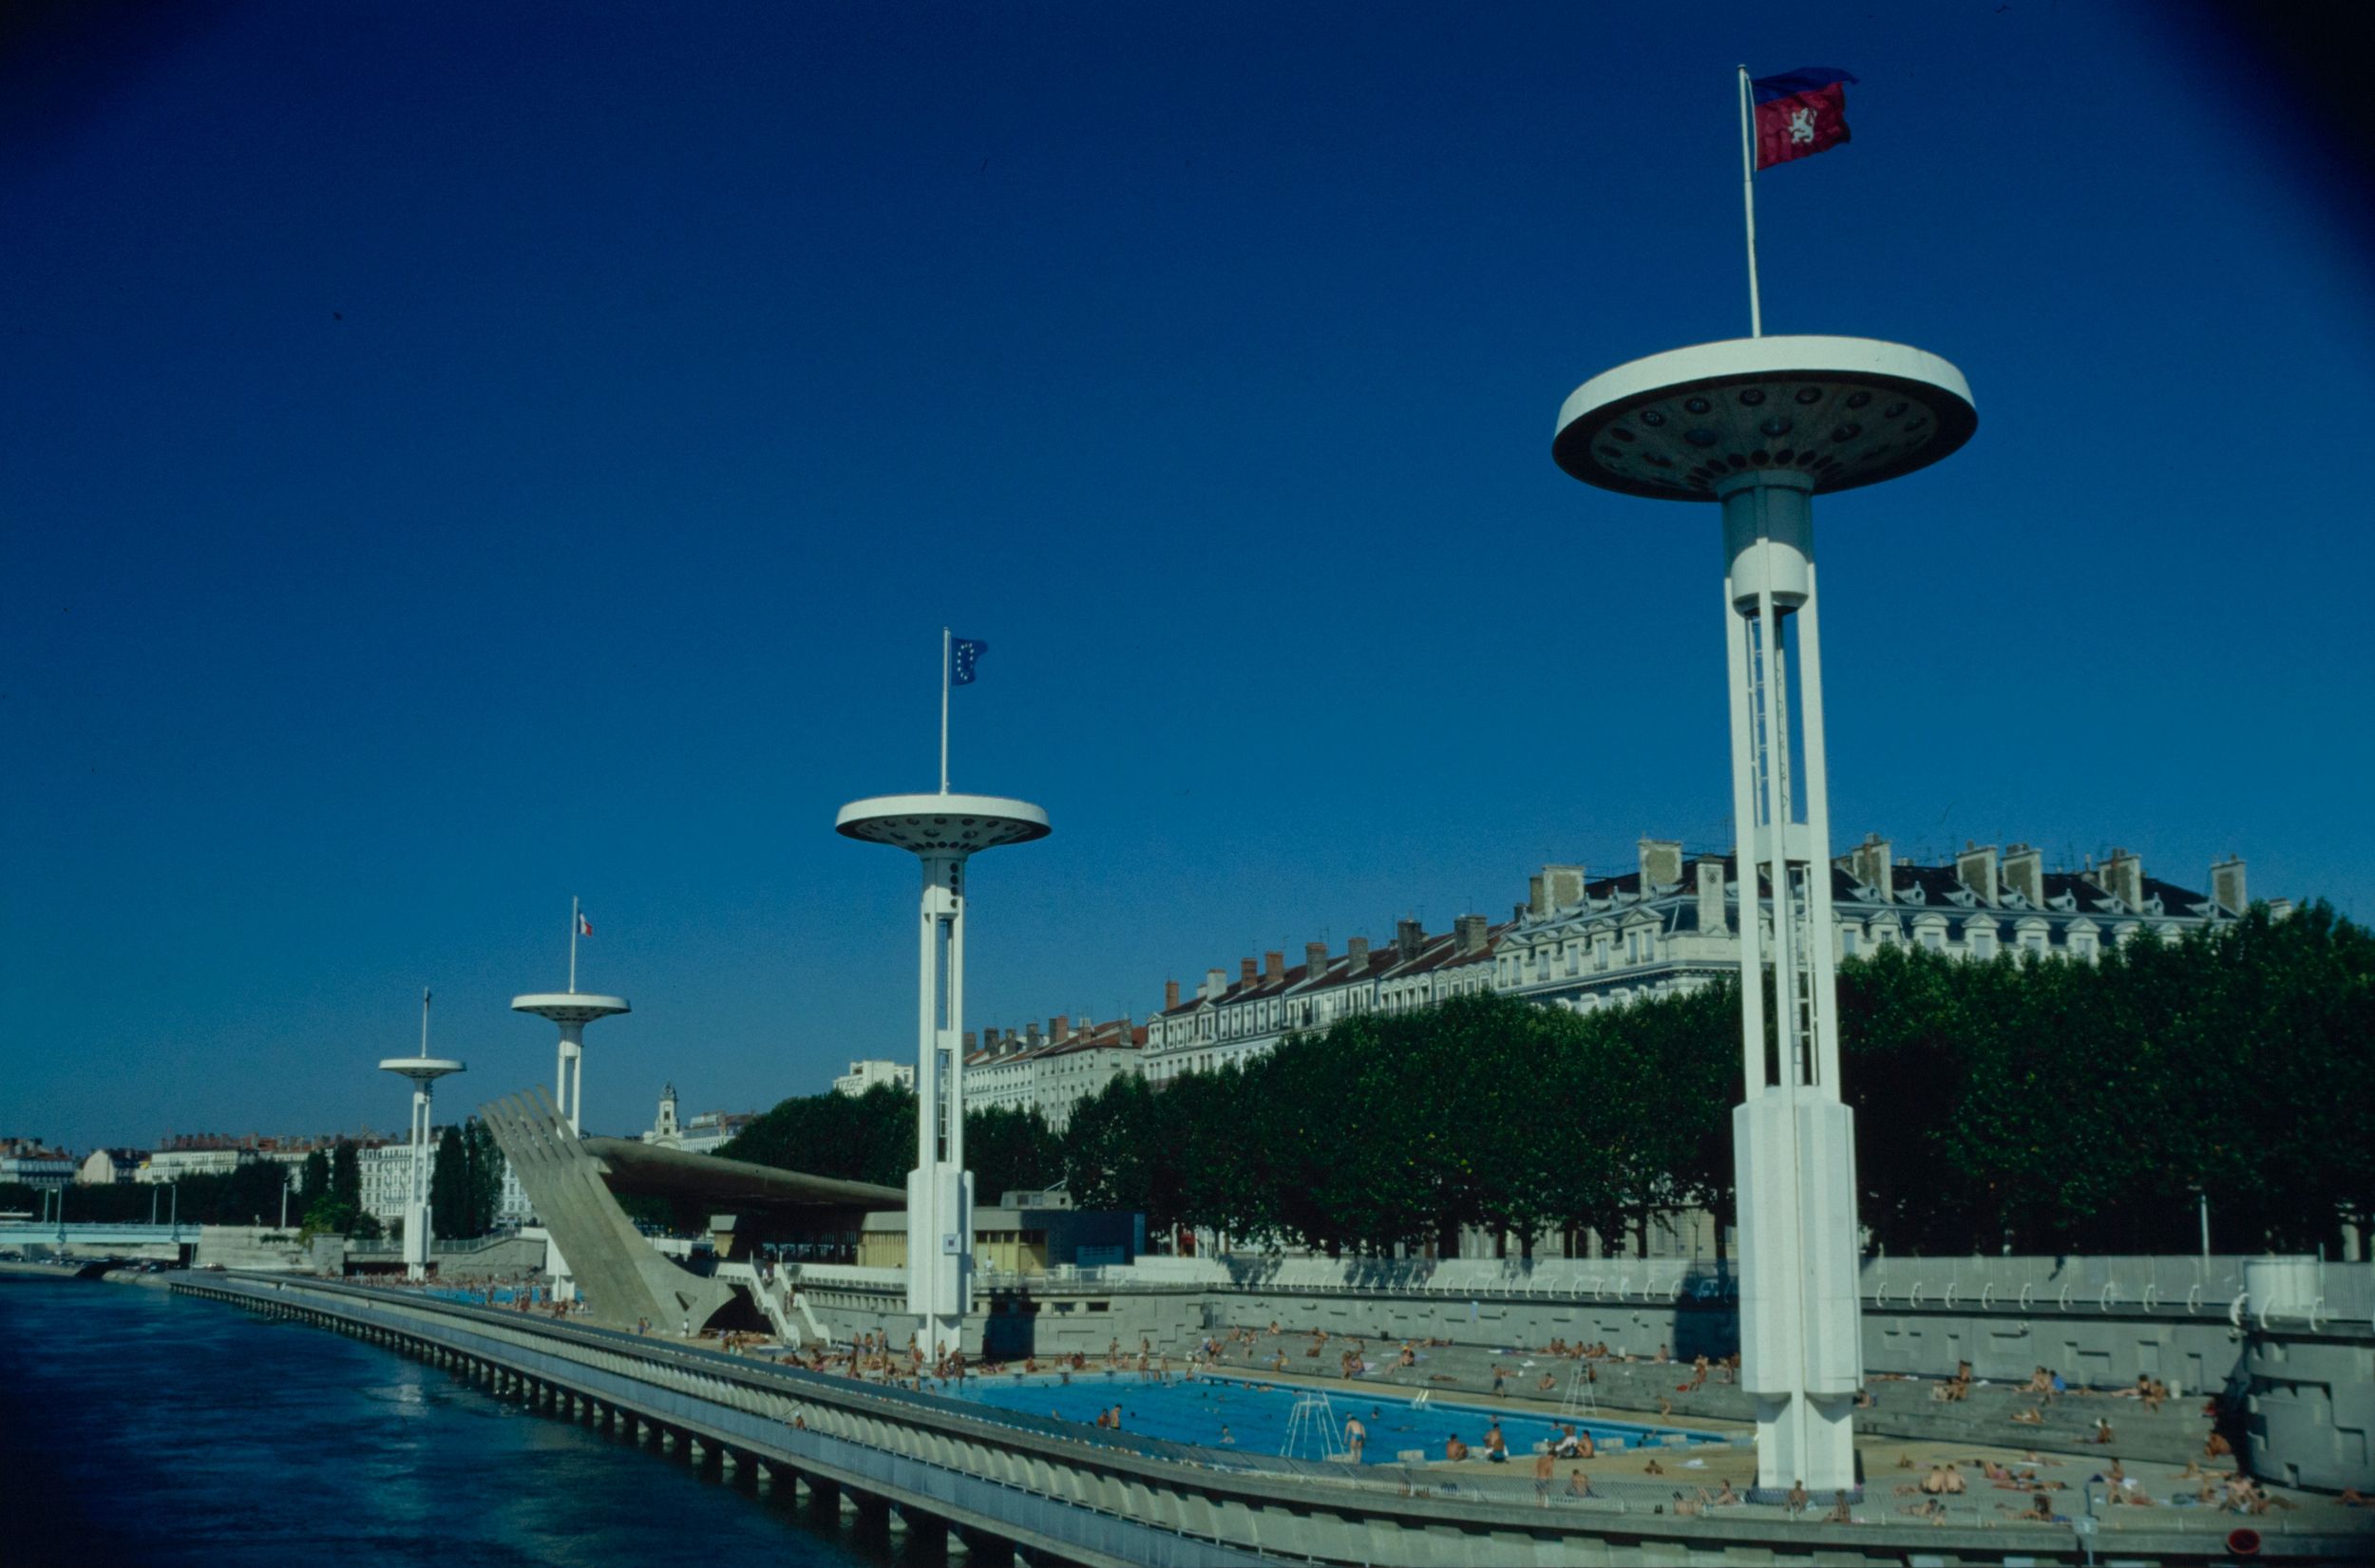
(1907, 1438)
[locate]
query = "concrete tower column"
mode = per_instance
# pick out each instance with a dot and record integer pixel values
(424, 1070)
(942, 831)
(1759, 425)
(1793, 1141)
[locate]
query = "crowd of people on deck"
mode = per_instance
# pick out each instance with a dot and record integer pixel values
(870, 1357)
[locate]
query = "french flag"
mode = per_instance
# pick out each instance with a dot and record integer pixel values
(1800, 113)
(585, 927)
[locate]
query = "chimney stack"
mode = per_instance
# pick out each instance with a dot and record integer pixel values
(1246, 971)
(1060, 1028)
(2225, 885)
(1975, 868)
(2122, 877)
(1562, 885)
(969, 1046)
(1470, 932)
(1408, 936)
(1661, 864)
(1713, 920)
(2024, 873)
(1315, 960)
(1871, 864)
(1274, 966)
(1171, 995)
(1537, 898)
(1215, 982)
(1357, 957)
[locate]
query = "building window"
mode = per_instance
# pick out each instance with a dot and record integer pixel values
(1935, 940)
(1847, 940)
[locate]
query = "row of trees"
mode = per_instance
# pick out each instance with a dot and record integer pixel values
(249, 1195)
(465, 1181)
(2043, 1105)
(2038, 1104)
(1402, 1129)
(871, 1137)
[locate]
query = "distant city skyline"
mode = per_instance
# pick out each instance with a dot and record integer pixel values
(460, 462)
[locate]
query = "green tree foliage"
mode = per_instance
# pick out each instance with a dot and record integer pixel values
(346, 1173)
(2034, 1104)
(869, 1137)
(486, 1174)
(465, 1181)
(314, 1182)
(249, 1195)
(872, 1138)
(339, 1210)
(449, 1188)
(1008, 1150)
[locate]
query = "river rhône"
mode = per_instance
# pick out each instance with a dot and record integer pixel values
(137, 1427)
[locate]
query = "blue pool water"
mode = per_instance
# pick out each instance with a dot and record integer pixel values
(501, 1295)
(1256, 1415)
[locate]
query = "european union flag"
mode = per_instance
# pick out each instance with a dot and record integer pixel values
(962, 653)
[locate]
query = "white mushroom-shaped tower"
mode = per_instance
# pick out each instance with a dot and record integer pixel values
(1761, 426)
(942, 831)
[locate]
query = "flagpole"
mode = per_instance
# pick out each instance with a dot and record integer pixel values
(573, 944)
(944, 649)
(1748, 203)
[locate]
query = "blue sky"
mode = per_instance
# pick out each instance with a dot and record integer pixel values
(458, 457)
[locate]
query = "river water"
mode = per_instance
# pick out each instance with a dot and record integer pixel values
(138, 1427)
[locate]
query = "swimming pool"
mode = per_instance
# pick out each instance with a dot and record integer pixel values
(501, 1295)
(1255, 1416)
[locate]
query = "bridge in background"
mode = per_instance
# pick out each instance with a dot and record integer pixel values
(70, 1233)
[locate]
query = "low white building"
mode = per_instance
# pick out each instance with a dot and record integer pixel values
(511, 1204)
(387, 1172)
(1230, 1021)
(1051, 1073)
(704, 1133)
(1671, 924)
(105, 1167)
(27, 1162)
(193, 1157)
(863, 1076)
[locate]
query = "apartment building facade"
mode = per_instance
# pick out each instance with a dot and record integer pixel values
(1052, 1071)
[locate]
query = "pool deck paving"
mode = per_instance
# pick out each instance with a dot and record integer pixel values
(1893, 1467)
